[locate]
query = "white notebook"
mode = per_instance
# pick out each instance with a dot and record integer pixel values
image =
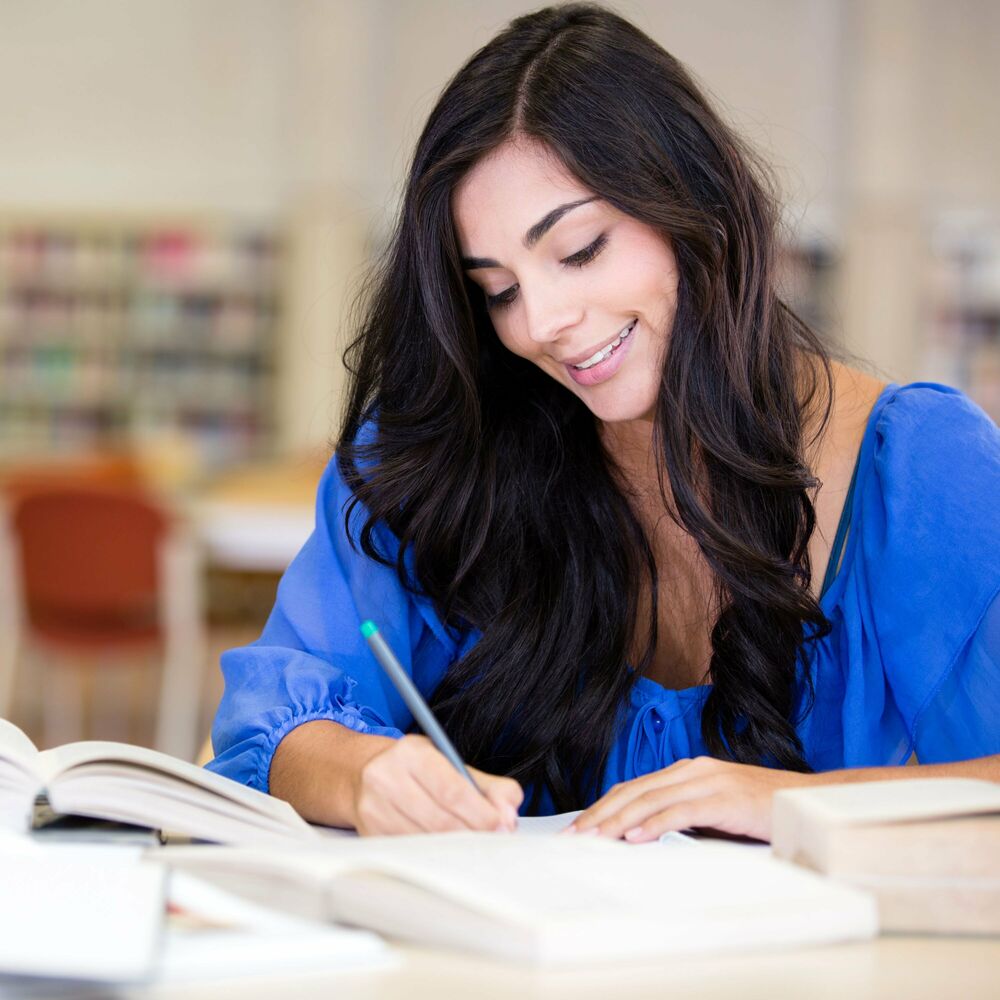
(87, 912)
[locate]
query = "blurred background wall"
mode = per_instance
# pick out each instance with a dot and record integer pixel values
(190, 190)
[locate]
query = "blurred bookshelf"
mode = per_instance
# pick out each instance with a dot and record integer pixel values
(115, 331)
(962, 340)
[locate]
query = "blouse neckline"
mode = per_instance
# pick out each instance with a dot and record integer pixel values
(834, 591)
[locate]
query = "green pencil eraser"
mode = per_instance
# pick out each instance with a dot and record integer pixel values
(368, 628)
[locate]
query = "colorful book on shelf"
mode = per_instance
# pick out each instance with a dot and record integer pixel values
(928, 848)
(130, 784)
(544, 899)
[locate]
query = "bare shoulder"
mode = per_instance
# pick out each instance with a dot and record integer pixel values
(854, 394)
(833, 455)
(832, 446)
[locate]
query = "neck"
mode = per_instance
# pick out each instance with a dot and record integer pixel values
(628, 441)
(629, 445)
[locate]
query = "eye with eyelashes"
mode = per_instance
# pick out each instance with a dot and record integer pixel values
(578, 259)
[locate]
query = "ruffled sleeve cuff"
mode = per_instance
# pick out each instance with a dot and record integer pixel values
(249, 761)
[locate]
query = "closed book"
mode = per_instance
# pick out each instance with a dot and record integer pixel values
(928, 848)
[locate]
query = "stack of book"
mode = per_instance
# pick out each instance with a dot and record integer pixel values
(927, 848)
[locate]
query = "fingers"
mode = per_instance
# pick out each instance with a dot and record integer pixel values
(621, 795)
(656, 801)
(702, 812)
(444, 785)
(505, 794)
(728, 797)
(379, 817)
(411, 787)
(424, 811)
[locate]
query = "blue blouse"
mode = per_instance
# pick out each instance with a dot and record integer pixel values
(912, 663)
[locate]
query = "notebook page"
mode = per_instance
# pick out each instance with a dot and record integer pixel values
(553, 824)
(546, 824)
(532, 826)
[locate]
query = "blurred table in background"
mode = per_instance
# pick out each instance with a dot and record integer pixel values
(257, 517)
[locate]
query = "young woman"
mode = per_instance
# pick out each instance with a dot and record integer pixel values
(648, 551)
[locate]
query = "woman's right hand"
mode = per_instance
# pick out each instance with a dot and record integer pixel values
(411, 787)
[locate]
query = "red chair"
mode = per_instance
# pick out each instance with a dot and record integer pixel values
(102, 572)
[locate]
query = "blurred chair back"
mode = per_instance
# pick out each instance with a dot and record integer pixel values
(105, 569)
(89, 573)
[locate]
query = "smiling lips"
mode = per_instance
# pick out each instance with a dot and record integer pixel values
(604, 352)
(601, 365)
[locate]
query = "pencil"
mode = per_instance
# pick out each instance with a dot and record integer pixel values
(414, 701)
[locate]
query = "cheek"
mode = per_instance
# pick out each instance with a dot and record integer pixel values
(513, 339)
(504, 336)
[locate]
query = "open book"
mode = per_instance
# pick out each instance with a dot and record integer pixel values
(130, 784)
(545, 899)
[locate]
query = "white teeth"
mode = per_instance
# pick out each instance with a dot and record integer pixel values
(604, 352)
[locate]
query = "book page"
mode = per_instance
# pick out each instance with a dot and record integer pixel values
(15, 746)
(535, 879)
(532, 880)
(212, 932)
(19, 782)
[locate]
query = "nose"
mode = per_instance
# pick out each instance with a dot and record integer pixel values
(549, 312)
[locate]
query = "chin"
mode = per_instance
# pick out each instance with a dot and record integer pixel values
(621, 403)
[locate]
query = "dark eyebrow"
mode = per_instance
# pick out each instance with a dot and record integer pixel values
(533, 235)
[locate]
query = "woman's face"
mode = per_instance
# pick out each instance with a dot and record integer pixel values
(573, 285)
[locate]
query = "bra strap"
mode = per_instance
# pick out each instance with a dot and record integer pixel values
(842, 528)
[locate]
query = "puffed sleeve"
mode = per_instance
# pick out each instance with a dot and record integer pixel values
(931, 551)
(311, 662)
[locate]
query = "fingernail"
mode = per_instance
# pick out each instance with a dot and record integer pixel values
(591, 831)
(634, 834)
(568, 829)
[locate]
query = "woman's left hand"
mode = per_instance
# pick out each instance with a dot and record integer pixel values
(702, 792)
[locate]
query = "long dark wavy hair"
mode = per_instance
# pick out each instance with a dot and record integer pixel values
(494, 474)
